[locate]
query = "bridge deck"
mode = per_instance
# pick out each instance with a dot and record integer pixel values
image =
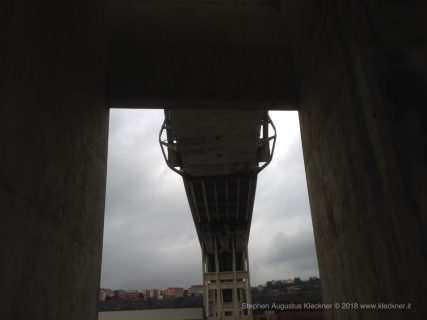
(218, 155)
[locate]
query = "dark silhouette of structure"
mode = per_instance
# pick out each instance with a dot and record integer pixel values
(355, 70)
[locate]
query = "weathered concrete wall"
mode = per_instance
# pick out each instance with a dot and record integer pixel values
(362, 85)
(53, 133)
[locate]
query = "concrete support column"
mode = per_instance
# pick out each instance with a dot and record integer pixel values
(236, 309)
(218, 284)
(53, 141)
(248, 283)
(205, 285)
(362, 87)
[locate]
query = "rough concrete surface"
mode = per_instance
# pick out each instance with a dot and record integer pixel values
(363, 149)
(53, 133)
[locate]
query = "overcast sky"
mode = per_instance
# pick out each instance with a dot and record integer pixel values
(149, 236)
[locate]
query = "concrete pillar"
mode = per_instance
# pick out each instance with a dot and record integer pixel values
(236, 303)
(53, 133)
(205, 286)
(248, 283)
(218, 306)
(362, 84)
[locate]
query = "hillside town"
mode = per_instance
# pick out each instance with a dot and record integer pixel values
(275, 294)
(152, 298)
(153, 293)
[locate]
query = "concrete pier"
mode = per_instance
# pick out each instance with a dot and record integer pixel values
(354, 69)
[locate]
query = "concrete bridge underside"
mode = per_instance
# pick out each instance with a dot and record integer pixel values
(355, 70)
(219, 154)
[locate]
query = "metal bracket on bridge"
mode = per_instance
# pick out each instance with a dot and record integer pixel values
(172, 158)
(263, 152)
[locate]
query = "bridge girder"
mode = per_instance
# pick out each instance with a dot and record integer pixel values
(218, 156)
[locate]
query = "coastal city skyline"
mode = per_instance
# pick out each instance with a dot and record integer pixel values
(149, 236)
(144, 288)
(194, 289)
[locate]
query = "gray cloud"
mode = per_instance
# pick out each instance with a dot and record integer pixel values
(149, 234)
(294, 251)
